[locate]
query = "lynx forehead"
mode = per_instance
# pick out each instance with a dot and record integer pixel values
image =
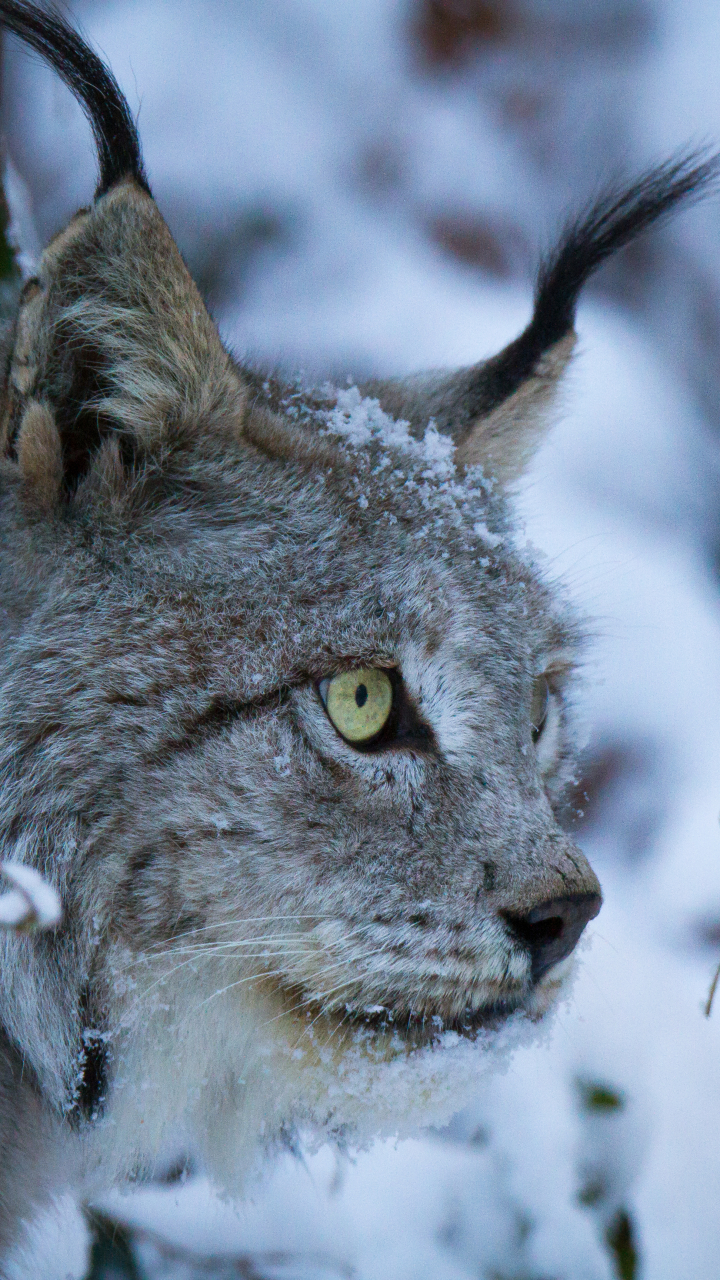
(283, 709)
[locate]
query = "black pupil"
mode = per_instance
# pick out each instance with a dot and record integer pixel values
(361, 695)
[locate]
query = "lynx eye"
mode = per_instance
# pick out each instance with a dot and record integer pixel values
(539, 706)
(359, 702)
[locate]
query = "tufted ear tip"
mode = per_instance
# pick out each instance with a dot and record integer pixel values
(498, 410)
(113, 338)
(93, 84)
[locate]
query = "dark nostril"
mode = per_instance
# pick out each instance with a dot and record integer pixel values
(540, 932)
(552, 930)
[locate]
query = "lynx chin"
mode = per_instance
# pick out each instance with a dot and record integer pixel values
(283, 708)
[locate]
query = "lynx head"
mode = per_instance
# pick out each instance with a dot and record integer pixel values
(284, 708)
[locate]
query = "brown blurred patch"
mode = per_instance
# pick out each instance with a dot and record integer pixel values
(489, 243)
(707, 933)
(631, 272)
(448, 31)
(525, 106)
(222, 259)
(619, 797)
(380, 166)
(601, 770)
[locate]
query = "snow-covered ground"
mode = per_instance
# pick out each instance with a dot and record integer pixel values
(362, 188)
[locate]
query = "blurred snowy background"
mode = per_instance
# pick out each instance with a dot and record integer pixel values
(363, 186)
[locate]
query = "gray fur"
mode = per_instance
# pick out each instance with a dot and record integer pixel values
(30, 1142)
(264, 926)
(240, 885)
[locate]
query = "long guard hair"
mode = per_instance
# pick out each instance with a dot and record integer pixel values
(92, 83)
(608, 224)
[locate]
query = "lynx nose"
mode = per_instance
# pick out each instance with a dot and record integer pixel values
(552, 929)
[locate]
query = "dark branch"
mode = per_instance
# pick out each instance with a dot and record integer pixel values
(95, 87)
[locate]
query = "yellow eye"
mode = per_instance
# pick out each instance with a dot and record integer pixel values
(358, 702)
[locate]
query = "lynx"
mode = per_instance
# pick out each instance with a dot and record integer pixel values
(284, 708)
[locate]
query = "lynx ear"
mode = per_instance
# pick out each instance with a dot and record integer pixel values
(112, 337)
(498, 411)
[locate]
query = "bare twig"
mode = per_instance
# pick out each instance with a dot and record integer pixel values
(711, 993)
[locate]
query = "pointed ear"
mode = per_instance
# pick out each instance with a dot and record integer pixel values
(113, 338)
(498, 411)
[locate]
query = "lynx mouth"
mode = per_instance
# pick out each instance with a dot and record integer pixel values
(416, 1012)
(420, 1029)
(382, 1023)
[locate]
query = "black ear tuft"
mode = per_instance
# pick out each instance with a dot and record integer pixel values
(94, 86)
(496, 411)
(595, 234)
(607, 225)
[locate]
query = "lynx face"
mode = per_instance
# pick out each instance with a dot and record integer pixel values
(393, 874)
(209, 569)
(283, 709)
